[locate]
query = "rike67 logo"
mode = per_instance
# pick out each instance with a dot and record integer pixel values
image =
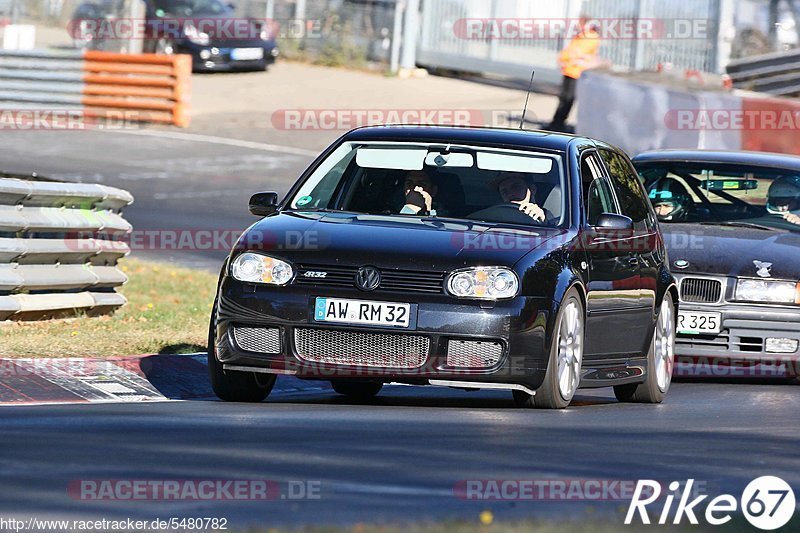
(767, 502)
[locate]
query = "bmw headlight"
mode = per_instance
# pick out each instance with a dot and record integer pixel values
(196, 36)
(484, 283)
(257, 268)
(775, 292)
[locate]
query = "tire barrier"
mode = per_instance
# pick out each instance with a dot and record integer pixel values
(639, 115)
(58, 251)
(98, 85)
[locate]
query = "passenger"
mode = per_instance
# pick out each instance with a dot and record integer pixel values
(784, 198)
(519, 189)
(420, 194)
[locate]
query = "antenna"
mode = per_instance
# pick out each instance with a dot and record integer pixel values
(527, 99)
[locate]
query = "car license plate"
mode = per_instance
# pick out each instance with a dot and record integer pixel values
(362, 312)
(247, 54)
(696, 323)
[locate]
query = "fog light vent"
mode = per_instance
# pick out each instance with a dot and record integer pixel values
(259, 340)
(473, 354)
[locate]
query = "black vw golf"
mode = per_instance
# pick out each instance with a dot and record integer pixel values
(465, 257)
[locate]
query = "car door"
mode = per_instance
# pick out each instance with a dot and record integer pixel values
(634, 204)
(614, 312)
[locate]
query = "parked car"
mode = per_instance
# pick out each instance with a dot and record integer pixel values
(208, 30)
(465, 257)
(206, 35)
(732, 226)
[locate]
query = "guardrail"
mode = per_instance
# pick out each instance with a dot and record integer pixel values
(134, 87)
(59, 246)
(777, 74)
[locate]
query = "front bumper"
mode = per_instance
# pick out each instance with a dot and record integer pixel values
(211, 58)
(745, 330)
(521, 326)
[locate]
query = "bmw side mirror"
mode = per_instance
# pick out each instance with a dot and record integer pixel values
(263, 203)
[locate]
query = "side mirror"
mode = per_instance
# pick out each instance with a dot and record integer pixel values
(263, 203)
(613, 226)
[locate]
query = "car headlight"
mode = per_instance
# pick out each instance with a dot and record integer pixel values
(257, 268)
(196, 36)
(484, 283)
(776, 292)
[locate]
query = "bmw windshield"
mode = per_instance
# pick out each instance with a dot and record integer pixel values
(727, 194)
(445, 181)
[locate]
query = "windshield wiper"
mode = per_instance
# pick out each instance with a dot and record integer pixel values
(737, 224)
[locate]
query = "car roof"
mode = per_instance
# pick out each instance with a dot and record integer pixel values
(516, 138)
(761, 159)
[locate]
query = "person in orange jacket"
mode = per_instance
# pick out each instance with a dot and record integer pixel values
(579, 55)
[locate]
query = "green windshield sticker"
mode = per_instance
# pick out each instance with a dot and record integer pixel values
(304, 200)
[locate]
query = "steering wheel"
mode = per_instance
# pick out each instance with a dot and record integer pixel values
(509, 213)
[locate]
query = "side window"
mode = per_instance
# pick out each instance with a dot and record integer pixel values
(597, 193)
(632, 199)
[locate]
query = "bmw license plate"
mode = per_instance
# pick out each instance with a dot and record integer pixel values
(247, 54)
(697, 323)
(362, 312)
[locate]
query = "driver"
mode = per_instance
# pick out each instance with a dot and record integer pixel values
(420, 194)
(519, 189)
(670, 206)
(784, 198)
(671, 201)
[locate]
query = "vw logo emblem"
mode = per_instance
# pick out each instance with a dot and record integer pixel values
(368, 278)
(682, 264)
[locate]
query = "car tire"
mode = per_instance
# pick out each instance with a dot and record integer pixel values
(361, 390)
(563, 374)
(660, 361)
(235, 386)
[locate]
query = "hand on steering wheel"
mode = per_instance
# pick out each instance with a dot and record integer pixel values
(531, 209)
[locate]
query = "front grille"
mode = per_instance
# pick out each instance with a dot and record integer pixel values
(473, 354)
(364, 349)
(392, 280)
(701, 290)
(260, 340)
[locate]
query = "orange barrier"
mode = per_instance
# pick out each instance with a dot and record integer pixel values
(778, 125)
(157, 85)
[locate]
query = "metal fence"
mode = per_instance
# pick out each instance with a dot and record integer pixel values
(332, 32)
(441, 46)
(59, 247)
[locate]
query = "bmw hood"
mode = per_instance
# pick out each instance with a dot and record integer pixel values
(738, 251)
(348, 239)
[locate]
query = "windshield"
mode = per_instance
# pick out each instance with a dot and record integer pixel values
(722, 193)
(426, 180)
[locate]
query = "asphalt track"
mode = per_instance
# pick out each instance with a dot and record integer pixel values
(398, 459)
(184, 182)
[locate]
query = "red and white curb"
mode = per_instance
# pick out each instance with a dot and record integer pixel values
(138, 378)
(118, 379)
